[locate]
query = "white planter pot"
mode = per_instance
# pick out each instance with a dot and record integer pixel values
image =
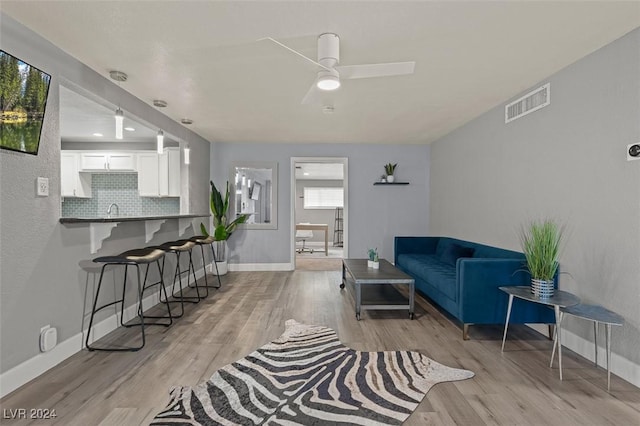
(376, 265)
(223, 268)
(390, 178)
(370, 263)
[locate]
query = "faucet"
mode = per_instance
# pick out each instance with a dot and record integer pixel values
(117, 209)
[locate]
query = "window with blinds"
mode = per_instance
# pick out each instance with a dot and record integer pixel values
(323, 198)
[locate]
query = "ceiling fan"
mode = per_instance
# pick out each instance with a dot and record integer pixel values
(331, 73)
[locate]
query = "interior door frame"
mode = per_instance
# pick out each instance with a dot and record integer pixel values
(345, 184)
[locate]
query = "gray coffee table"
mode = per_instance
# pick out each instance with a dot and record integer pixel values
(357, 271)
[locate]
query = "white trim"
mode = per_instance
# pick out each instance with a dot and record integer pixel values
(292, 207)
(253, 267)
(620, 366)
(23, 373)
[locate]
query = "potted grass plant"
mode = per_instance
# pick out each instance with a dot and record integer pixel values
(222, 228)
(541, 246)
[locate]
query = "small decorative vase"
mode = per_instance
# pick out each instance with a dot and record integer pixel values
(542, 288)
(390, 178)
(369, 263)
(376, 265)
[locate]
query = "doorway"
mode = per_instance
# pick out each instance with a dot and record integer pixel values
(319, 224)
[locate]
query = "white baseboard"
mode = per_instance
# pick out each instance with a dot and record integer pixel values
(30, 369)
(620, 366)
(251, 267)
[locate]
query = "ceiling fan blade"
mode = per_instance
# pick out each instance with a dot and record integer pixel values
(375, 70)
(312, 96)
(294, 51)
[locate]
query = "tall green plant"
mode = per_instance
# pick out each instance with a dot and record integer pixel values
(541, 246)
(222, 228)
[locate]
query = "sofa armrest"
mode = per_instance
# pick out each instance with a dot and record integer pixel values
(481, 301)
(421, 245)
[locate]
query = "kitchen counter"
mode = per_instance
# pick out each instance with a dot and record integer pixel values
(100, 227)
(127, 218)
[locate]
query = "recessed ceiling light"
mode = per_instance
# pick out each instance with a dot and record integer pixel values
(130, 129)
(159, 103)
(186, 121)
(306, 174)
(98, 134)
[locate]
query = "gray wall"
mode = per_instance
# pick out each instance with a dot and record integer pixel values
(315, 215)
(565, 161)
(40, 280)
(376, 213)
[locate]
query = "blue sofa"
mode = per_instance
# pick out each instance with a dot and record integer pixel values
(463, 277)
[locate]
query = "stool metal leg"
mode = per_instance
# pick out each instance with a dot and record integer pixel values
(595, 340)
(608, 337)
(121, 301)
(94, 310)
(160, 290)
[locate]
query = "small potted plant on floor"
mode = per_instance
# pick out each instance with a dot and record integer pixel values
(222, 228)
(541, 246)
(389, 169)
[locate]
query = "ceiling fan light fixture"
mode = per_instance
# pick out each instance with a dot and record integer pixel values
(328, 82)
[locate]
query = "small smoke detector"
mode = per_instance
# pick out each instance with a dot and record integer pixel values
(327, 109)
(159, 103)
(118, 76)
(186, 121)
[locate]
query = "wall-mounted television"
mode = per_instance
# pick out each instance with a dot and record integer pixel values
(23, 99)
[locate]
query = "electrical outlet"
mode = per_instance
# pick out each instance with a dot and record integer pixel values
(42, 187)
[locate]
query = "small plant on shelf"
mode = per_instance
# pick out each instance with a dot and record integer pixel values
(389, 170)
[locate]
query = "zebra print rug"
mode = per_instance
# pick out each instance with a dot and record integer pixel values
(307, 377)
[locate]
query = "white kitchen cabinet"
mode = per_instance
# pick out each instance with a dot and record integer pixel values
(159, 174)
(73, 183)
(100, 162)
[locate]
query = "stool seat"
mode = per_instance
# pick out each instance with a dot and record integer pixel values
(203, 239)
(180, 245)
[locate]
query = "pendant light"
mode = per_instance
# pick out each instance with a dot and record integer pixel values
(160, 138)
(119, 123)
(187, 155)
(120, 77)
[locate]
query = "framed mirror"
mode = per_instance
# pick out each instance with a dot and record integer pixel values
(254, 191)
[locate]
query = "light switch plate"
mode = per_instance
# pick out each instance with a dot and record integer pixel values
(42, 187)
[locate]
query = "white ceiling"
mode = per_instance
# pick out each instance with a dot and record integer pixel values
(202, 57)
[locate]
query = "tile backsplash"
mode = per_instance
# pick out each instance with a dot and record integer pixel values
(122, 189)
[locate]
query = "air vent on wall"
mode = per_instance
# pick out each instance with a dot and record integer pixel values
(532, 101)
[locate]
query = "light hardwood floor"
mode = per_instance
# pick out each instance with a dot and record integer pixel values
(516, 387)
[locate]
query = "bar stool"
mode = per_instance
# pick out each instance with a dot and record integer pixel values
(135, 258)
(179, 247)
(203, 240)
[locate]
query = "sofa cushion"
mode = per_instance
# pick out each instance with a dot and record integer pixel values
(455, 251)
(431, 269)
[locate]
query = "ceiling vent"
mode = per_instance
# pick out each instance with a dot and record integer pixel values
(532, 101)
